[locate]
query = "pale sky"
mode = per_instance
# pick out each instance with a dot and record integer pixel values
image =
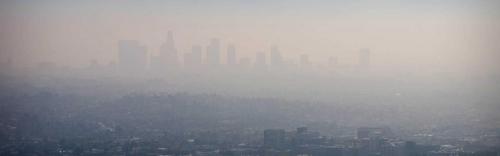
(444, 34)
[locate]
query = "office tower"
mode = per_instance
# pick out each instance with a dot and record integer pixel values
(168, 52)
(193, 58)
(260, 59)
(9, 62)
(131, 55)
(196, 55)
(94, 64)
(244, 62)
(6, 65)
(275, 57)
(332, 61)
(304, 60)
(304, 137)
(188, 59)
(373, 132)
(231, 55)
(274, 138)
(213, 52)
(362, 133)
(301, 130)
(364, 58)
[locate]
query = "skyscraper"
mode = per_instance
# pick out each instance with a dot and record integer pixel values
(364, 58)
(244, 62)
(332, 61)
(131, 55)
(231, 55)
(213, 52)
(304, 60)
(196, 55)
(373, 132)
(188, 59)
(260, 60)
(275, 57)
(168, 52)
(193, 58)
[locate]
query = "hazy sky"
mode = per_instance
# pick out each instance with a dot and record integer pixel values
(443, 34)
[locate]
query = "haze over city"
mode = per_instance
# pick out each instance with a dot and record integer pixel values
(455, 35)
(233, 77)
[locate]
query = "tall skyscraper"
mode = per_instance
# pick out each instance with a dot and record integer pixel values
(275, 57)
(213, 52)
(231, 55)
(193, 58)
(196, 55)
(260, 59)
(245, 62)
(131, 55)
(168, 52)
(188, 59)
(332, 61)
(364, 58)
(304, 60)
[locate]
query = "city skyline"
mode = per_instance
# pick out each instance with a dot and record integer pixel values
(213, 55)
(250, 78)
(445, 35)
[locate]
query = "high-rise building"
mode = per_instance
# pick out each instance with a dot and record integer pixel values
(131, 55)
(213, 52)
(304, 60)
(364, 58)
(373, 132)
(301, 130)
(274, 138)
(231, 55)
(188, 59)
(196, 55)
(275, 57)
(193, 58)
(260, 59)
(333, 61)
(245, 62)
(168, 52)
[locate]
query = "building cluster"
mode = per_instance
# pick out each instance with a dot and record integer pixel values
(369, 141)
(134, 56)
